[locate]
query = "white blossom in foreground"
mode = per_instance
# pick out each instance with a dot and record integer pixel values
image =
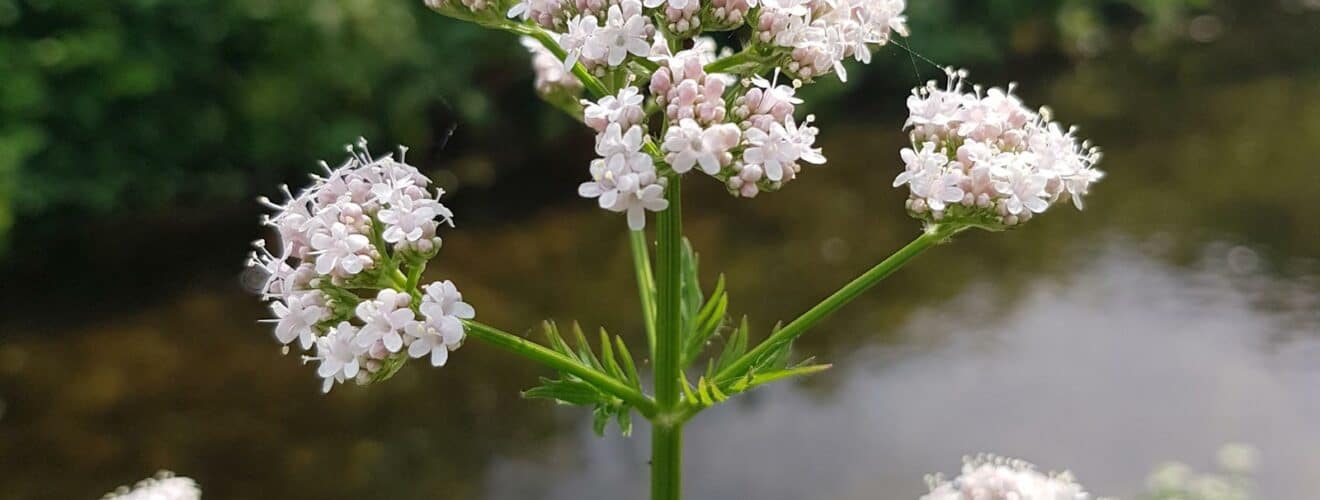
(344, 285)
(981, 157)
(623, 108)
(990, 477)
(624, 179)
(163, 486)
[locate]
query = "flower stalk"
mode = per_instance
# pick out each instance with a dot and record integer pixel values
(932, 236)
(667, 432)
(645, 283)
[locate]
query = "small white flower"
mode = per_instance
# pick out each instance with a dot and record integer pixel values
(339, 249)
(774, 150)
(443, 307)
(442, 299)
(939, 188)
(1025, 190)
(637, 198)
(297, 316)
(621, 35)
(624, 108)
(920, 164)
(407, 219)
(688, 144)
(338, 353)
(385, 319)
(602, 186)
(621, 150)
(804, 137)
(273, 270)
(581, 32)
(773, 94)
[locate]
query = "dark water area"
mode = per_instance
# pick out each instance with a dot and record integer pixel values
(1179, 312)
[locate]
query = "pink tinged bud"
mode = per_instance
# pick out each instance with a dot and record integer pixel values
(749, 190)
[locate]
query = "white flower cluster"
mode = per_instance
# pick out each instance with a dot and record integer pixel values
(163, 486)
(601, 34)
(624, 178)
(984, 158)
(716, 115)
(821, 34)
(358, 228)
(762, 150)
(990, 477)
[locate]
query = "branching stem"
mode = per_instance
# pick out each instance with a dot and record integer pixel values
(541, 354)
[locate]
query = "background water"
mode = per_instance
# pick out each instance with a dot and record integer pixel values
(1180, 311)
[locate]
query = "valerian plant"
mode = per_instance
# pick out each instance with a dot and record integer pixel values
(666, 103)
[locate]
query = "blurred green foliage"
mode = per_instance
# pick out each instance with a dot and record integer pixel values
(141, 104)
(137, 103)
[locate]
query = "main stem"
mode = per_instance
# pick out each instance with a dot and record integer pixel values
(666, 428)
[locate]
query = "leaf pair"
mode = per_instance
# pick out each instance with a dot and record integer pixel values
(701, 318)
(702, 321)
(614, 360)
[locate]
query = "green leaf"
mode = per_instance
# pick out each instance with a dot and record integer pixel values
(707, 322)
(628, 364)
(615, 362)
(600, 417)
(556, 341)
(776, 358)
(585, 354)
(625, 422)
(772, 376)
(734, 347)
(689, 287)
(607, 358)
(568, 391)
(705, 394)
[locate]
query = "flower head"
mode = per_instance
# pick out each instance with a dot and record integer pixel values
(982, 158)
(340, 285)
(990, 477)
(163, 486)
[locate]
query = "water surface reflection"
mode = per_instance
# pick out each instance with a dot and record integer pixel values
(1110, 371)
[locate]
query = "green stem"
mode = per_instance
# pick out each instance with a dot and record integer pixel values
(399, 280)
(666, 460)
(415, 274)
(559, 362)
(934, 235)
(666, 429)
(645, 284)
(593, 84)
